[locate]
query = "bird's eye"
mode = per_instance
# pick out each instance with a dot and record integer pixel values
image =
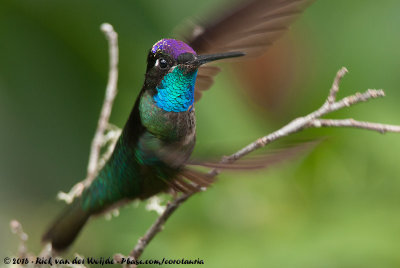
(162, 63)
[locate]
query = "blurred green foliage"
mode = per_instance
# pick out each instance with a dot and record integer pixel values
(339, 206)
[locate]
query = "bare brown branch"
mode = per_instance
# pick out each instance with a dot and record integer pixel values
(111, 92)
(100, 137)
(335, 86)
(381, 128)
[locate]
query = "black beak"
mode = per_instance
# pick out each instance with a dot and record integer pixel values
(202, 59)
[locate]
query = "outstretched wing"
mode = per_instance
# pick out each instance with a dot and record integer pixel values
(251, 28)
(190, 180)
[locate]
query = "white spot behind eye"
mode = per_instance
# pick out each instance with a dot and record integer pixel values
(157, 63)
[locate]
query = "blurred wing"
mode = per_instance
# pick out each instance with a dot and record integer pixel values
(250, 28)
(190, 180)
(204, 80)
(262, 161)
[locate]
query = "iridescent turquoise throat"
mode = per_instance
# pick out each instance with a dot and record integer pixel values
(176, 91)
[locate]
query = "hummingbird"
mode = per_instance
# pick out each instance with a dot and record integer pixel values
(152, 153)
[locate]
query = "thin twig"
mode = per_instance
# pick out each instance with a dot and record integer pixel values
(157, 226)
(381, 128)
(298, 124)
(16, 228)
(335, 85)
(98, 141)
(111, 92)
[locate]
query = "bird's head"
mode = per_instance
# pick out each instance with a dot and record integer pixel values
(167, 54)
(171, 73)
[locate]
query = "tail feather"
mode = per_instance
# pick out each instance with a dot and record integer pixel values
(64, 230)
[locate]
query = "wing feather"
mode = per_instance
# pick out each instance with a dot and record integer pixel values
(251, 28)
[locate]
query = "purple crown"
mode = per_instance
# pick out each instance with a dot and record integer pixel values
(172, 47)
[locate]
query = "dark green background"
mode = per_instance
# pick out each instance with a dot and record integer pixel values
(339, 206)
